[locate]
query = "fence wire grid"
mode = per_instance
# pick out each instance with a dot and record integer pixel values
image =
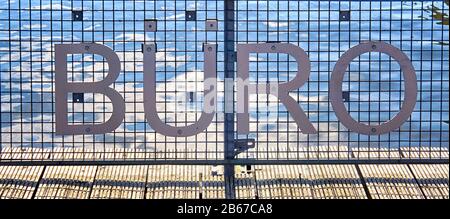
(373, 84)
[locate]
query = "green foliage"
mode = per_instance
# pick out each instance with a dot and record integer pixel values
(440, 15)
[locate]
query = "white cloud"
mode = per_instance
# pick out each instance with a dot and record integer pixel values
(272, 24)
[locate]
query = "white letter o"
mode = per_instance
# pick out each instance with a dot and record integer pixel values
(337, 77)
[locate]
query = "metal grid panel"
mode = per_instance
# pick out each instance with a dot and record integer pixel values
(29, 31)
(373, 85)
(325, 30)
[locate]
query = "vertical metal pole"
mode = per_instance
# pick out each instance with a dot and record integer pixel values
(229, 116)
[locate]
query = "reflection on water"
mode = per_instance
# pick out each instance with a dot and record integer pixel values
(28, 31)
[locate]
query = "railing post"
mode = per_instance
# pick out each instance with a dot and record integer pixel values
(229, 52)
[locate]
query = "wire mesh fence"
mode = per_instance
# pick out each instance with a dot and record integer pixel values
(373, 86)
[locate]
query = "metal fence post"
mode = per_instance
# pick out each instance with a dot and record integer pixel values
(229, 116)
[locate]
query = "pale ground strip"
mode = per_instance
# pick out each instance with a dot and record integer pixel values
(350, 181)
(194, 182)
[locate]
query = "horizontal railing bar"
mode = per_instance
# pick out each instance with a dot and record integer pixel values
(215, 162)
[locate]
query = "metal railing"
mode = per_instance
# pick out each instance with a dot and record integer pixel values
(373, 86)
